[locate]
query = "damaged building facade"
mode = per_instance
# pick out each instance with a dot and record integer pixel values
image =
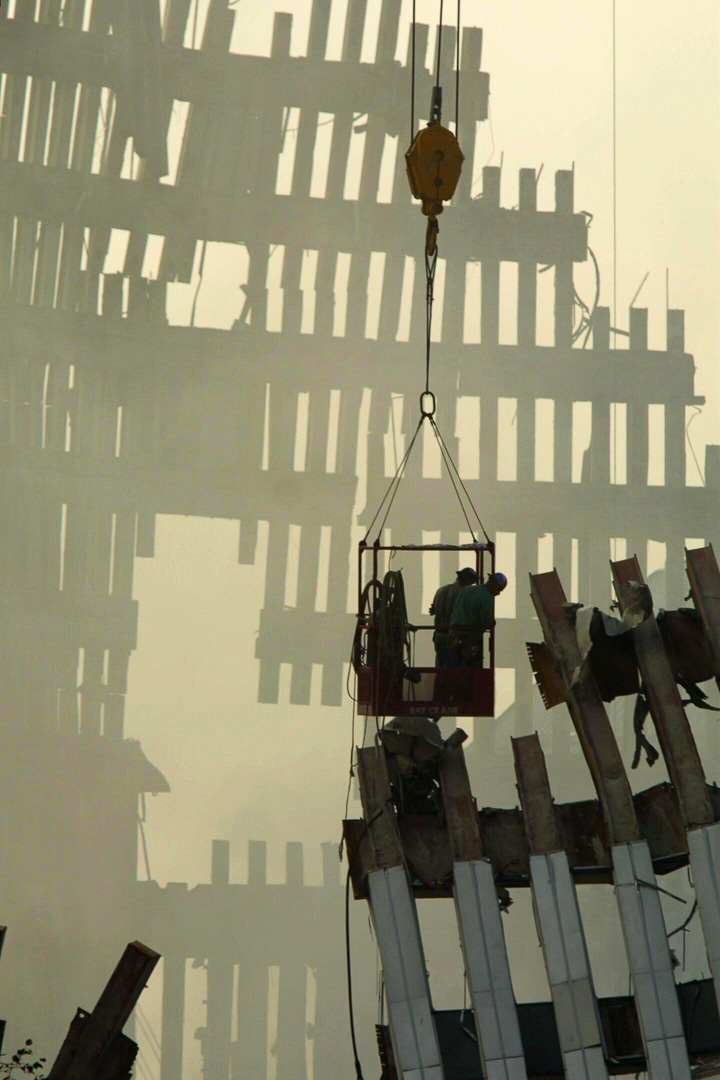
(111, 415)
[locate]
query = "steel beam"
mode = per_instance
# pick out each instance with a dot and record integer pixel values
(673, 729)
(704, 841)
(397, 930)
(704, 578)
(638, 899)
(482, 938)
(587, 710)
(557, 917)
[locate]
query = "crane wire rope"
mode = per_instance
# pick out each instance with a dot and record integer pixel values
(427, 398)
(412, 79)
(439, 46)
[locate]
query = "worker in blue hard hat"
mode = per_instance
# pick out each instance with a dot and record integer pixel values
(473, 613)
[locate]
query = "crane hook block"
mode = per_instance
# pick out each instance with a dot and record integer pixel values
(434, 163)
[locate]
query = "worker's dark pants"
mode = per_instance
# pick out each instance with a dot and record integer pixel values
(445, 658)
(463, 657)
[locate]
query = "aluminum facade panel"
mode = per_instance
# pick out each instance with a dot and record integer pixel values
(648, 955)
(561, 934)
(488, 971)
(407, 990)
(704, 848)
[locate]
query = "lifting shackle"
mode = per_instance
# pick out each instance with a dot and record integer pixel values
(434, 163)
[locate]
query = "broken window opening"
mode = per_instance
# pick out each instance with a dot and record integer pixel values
(376, 276)
(321, 155)
(507, 440)
(286, 157)
(544, 440)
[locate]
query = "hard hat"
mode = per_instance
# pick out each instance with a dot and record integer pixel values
(467, 572)
(500, 580)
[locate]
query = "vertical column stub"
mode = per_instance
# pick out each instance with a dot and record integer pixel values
(558, 921)
(397, 930)
(533, 786)
(482, 939)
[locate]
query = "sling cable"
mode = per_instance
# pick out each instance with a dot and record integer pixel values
(433, 163)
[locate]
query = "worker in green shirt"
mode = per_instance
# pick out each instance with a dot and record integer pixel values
(442, 608)
(474, 607)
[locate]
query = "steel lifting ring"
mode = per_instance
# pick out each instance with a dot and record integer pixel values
(424, 410)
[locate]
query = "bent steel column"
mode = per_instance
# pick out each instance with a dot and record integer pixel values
(394, 916)
(557, 916)
(639, 907)
(482, 939)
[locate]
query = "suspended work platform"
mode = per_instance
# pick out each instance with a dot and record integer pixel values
(388, 648)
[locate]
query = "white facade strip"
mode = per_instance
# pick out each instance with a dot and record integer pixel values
(561, 934)
(651, 968)
(704, 848)
(488, 971)
(412, 1025)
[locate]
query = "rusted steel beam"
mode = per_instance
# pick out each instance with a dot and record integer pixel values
(704, 577)
(376, 796)
(79, 1056)
(504, 842)
(587, 711)
(461, 814)
(541, 827)
(676, 739)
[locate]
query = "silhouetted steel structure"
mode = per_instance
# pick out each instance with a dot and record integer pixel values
(111, 416)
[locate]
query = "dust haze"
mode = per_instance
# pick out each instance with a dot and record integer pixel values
(212, 290)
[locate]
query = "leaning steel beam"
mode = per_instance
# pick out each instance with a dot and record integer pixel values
(397, 930)
(704, 840)
(480, 924)
(587, 710)
(671, 723)
(558, 921)
(704, 577)
(638, 899)
(87, 1045)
